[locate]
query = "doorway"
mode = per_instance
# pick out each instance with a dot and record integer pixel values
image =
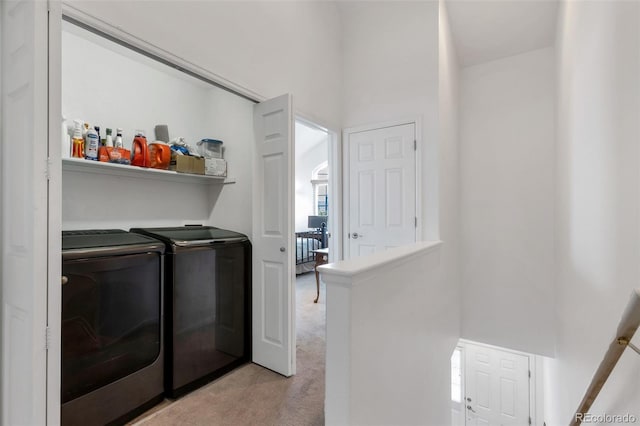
(313, 225)
(313, 198)
(493, 385)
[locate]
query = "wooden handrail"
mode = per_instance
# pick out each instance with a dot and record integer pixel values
(627, 327)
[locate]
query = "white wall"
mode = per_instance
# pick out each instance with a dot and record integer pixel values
(446, 309)
(305, 164)
(399, 62)
(598, 196)
(271, 48)
(384, 336)
(507, 196)
(230, 205)
(390, 52)
(449, 179)
(125, 89)
(111, 86)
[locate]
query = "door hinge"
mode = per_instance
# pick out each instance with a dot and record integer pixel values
(415, 145)
(529, 419)
(529, 373)
(47, 172)
(415, 221)
(47, 338)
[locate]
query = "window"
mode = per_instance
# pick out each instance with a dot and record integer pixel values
(456, 376)
(321, 204)
(320, 183)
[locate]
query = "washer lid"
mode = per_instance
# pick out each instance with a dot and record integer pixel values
(193, 235)
(102, 238)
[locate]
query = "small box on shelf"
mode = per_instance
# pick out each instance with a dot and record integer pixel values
(215, 167)
(197, 166)
(187, 164)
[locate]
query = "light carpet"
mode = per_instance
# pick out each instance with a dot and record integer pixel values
(252, 395)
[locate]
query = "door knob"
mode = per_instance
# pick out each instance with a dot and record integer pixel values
(64, 280)
(470, 408)
(355, 235)
(282, 249)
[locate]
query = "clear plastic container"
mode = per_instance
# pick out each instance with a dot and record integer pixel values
(210, 148)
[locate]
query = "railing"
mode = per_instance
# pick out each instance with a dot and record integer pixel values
(626, 329)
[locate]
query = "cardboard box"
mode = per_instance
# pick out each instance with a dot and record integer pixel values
(215, 167)
(180, 163)
(187, 164)
(197, 166)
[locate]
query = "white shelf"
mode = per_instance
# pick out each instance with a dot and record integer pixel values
(88, 166)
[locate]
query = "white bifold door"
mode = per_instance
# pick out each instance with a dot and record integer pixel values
(273, 317)
(24, 191)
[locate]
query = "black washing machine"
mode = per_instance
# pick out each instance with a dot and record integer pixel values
(208, 304)
(112, 328)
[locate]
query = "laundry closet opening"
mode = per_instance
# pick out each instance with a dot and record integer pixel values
(167, 210)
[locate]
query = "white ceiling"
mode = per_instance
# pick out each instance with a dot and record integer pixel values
(486, 30)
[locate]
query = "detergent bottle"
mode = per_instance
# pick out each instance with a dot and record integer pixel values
(92, 144)
(109, 139)
(67, 135)
(103, 151)
(77, 141)
(140, 150)
(118, 153)
(159, 155)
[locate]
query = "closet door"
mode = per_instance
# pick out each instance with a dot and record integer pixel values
(273, 292)
(24, 223)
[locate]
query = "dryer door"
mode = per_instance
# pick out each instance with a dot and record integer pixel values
(110, 320)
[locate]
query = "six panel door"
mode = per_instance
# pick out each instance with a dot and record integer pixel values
(382, 189)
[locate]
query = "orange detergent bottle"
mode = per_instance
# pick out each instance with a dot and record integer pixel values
(140, 151)
(159, 155)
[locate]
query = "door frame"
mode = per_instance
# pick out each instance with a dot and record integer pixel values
(59, 12)
(417, 122)
(24, 331)
(334, 158)
(118, 35)
(54, 232)
(536, 383)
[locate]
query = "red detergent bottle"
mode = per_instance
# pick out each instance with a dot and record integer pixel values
(140, 151)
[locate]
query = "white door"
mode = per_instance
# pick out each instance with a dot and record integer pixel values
(497, 387)
(273, 291)
(381, 200)
(23, 231)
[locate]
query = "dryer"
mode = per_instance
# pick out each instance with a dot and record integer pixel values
(208, 303)
(112, 328)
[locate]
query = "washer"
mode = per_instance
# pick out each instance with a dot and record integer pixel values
(112, 328)
(208, 304)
